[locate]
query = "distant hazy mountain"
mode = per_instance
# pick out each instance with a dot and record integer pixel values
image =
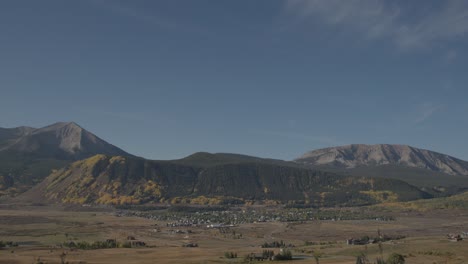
(358, 156)
(28, 155)
(60, 141)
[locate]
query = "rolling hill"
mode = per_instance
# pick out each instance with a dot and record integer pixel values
(458, 201)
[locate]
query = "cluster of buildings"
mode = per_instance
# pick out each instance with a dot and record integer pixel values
(457, 237)
(352, 241)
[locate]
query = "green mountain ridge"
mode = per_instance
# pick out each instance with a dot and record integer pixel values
(458, 201)
(436, 183)
(125, 180)
(205, 159)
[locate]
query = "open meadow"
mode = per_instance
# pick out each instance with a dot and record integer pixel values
(41, 231)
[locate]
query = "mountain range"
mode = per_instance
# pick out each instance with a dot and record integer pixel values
(436, 173)
(352, 156)
(65, 163)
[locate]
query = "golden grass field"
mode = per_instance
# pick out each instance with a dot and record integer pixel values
(40, 229)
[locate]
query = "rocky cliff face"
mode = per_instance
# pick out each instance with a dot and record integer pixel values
(352, 156)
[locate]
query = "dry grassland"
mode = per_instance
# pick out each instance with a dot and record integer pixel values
(40, 230)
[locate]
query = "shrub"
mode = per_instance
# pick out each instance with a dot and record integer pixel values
(275, 244)
(266, 254)
(230, 255)
(4, 244)
(395, 258)
(84, 245)
(126, 244)
(362, 259)
(284, 255)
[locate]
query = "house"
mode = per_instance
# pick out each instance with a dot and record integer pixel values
(454, 238)
(256, 256)
(190, 245)
(215, 226)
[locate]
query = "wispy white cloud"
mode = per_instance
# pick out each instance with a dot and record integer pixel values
(407, 26)
(407, 119)
(326, 140)
(425, 111)
(157, 20)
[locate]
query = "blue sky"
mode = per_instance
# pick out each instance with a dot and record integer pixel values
(164, 79)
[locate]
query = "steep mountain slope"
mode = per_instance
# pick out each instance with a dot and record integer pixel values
(27, 155)
(60, 141)
(8, 136)
(354, 156)
(125, 180)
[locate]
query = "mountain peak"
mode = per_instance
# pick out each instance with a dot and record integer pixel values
(60, 125)
(62, 140)
(358, 155)
(68, 124)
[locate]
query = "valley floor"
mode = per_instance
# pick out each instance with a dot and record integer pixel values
(40, 230)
